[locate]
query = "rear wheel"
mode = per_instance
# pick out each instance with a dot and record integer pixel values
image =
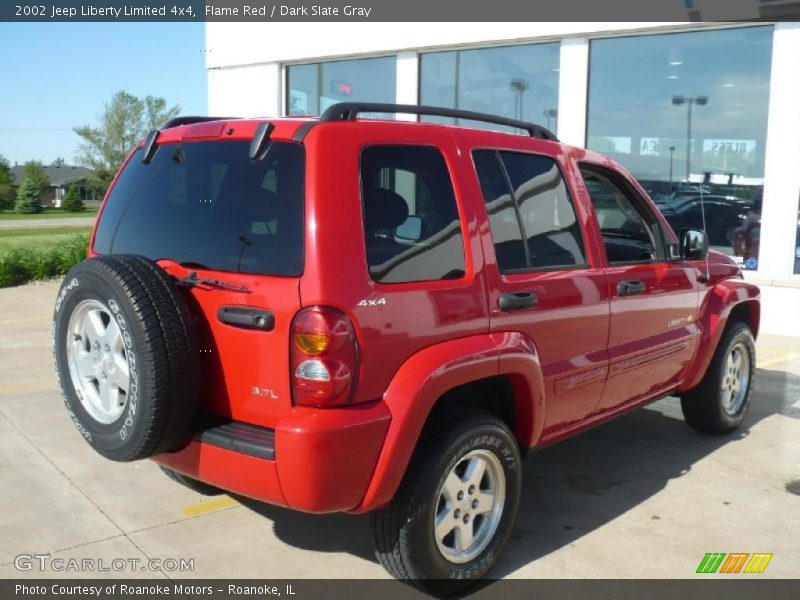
(454, 510)
(720, 402)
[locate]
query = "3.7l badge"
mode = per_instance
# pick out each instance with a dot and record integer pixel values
(263, 392)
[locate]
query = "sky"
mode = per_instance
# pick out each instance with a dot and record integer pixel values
(57, 76)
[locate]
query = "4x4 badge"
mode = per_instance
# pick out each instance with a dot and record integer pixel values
(378, 302)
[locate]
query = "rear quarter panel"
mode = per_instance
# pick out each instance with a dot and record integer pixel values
(410, 316)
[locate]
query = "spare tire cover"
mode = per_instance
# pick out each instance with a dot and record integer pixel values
(125, 349)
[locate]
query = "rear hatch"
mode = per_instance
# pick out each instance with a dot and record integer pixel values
(233, 230)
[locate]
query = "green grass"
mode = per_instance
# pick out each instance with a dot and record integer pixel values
(47, 213)
(38, 239)
(27, 254)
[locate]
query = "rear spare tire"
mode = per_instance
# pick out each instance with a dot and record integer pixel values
(124, 349)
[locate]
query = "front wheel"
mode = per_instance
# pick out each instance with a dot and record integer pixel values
(454, 510)
(719, 403)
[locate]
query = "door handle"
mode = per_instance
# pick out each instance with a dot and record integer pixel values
(630, 288)
(517, 300)
(247, 318)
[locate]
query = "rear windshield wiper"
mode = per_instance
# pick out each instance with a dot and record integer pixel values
(193, 280)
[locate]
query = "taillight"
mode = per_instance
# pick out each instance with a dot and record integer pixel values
(324, 358)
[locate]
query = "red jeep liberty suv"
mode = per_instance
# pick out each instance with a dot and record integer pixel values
(344, 314)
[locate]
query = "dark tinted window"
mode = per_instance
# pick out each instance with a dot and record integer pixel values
(206, 203)
(626, 235)
(537, 204)
(411, 223)
(508, 241)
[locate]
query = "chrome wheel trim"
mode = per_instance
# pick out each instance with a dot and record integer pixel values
(98, 365)
(469, 506)
(735, 379)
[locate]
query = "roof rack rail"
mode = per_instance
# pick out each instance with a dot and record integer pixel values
(348, 111)
(190, 120)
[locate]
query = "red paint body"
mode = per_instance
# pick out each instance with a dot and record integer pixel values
(580, 356)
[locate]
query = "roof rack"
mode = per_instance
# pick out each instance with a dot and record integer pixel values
(190, 120)
(348, 111)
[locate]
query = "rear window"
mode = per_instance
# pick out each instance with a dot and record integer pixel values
(411, 223)
(531, 216)
(207, 205)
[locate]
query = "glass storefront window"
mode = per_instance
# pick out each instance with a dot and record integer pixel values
(519, 82)
(314, 87)
(686, 113)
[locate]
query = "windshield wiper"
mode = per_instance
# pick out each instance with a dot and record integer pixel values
(193, 280)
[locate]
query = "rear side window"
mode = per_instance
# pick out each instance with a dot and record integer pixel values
(205, 204)
(411, 222)
(531, 215)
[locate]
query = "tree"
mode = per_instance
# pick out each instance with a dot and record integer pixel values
(7, 194)
(125, 120)
(59, 162)
(34, 170)
(72, 201)
(28, 197)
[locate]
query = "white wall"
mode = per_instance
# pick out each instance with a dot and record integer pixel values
(230, 44)
(782, 167)
(573, 82)
(245, 91)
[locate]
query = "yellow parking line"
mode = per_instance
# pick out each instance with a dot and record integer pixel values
(26, 320)
(26, 387)
(777, 360)
(209, 506)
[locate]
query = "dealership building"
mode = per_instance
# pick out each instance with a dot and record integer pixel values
(690, 109)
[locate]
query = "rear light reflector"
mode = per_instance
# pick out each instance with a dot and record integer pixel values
(324, 358)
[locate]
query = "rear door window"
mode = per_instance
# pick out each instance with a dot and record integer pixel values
(411, 221)
(531, 215)
(207, 205)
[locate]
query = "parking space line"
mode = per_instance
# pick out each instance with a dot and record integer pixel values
(27, 387)
(210, 505)
(777, 360)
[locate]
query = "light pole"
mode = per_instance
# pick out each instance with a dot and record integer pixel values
(688, 101)
(551, 113)
(519, 87)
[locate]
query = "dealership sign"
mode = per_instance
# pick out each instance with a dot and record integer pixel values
(728, 147)
(657, 146)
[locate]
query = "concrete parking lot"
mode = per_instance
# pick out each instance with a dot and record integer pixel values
(641, 497)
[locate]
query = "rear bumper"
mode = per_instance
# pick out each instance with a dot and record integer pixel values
(315, 460)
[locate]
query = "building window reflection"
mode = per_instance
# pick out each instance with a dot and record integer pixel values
(312, 88)
(686, 113)
(518, 82)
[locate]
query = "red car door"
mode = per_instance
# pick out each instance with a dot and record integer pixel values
(541, 279)
(654, 300)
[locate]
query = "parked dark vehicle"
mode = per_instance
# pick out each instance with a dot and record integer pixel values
(723, 215)
(747, 239)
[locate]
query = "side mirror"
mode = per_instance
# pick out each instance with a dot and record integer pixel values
(694, 244)
(410, 229)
